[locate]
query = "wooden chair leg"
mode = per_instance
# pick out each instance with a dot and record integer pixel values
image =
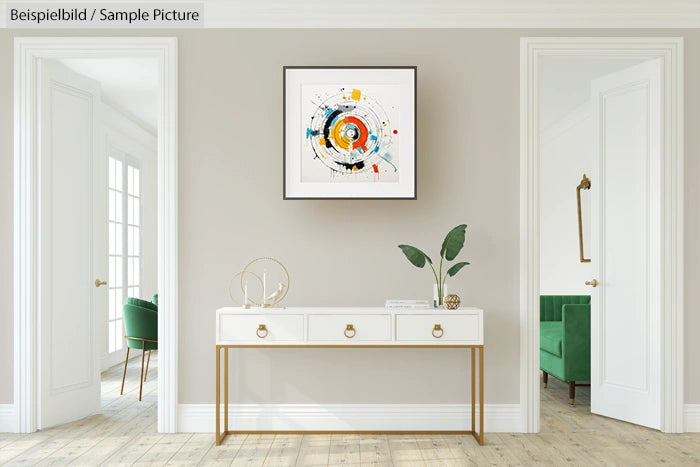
(148, 361)
(143, 354)
(124, 377)
(545, 378)
(572, 392)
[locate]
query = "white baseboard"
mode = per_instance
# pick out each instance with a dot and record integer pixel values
(348, 417)
(691, 416)
(201, 417)
(8, 418)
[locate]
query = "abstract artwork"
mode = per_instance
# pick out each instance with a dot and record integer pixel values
(349, 132)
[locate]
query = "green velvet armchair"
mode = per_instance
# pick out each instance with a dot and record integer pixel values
(565, 339)
(143, 303)
(141, 326)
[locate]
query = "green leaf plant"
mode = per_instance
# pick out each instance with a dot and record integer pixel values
(451, 246)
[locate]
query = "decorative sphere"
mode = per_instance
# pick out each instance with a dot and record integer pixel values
(452, 302)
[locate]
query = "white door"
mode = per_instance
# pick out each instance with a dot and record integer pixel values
(73, 243)
(626, 245)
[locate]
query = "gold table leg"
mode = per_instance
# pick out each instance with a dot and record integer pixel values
(481, 396)
(225, 391)
(478, 436)
(473, 367)
(218, 395)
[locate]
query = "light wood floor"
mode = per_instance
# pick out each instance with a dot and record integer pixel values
(125, 433)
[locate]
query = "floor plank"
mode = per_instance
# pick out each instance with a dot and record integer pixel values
(125, 433)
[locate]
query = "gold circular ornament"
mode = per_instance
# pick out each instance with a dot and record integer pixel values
(452, 302)
(266, 269)
(283, 282)
(243, 278)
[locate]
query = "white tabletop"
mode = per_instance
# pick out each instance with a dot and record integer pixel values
(347, 310)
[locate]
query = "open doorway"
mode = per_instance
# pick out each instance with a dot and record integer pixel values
(95, 223)
(128, 150)
(618, 100)
(567, 145)
(98, 147)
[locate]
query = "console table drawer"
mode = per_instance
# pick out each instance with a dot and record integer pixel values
(439, 328)
(261, 328)
(350, 328)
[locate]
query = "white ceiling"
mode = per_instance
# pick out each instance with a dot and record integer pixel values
(438, 13)
(128, 84)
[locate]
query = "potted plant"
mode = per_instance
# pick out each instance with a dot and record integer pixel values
(451, 246)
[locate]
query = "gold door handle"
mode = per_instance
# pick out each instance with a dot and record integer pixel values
(99, 282)
(261, 328)
(584, 185)
(349, 328)
(437, 329)
(592, 283)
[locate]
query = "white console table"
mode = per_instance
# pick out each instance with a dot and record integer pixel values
(309, 327)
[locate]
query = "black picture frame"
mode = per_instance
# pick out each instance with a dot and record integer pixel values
(297, 194)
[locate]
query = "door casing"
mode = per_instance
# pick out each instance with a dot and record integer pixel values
(27, 312)
(670, 51)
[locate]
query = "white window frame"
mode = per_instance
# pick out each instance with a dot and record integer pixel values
(127, 161)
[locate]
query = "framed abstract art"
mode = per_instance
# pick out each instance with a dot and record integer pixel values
(349, 132)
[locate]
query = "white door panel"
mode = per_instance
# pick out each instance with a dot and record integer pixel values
(625, 244)
(68, 370)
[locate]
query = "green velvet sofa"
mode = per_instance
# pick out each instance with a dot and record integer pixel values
(565, 339)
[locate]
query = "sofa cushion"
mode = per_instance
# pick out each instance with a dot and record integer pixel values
(550, 337)
(551, 305)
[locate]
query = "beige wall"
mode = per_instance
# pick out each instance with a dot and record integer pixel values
(344, 252)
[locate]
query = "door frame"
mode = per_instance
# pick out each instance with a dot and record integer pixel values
(670, 51)
(27, 313)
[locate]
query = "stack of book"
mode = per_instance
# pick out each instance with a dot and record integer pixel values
(407, 304)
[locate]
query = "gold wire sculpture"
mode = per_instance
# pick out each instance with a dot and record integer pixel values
(245, 303)
(263, 302)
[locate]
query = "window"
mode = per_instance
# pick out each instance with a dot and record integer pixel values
(124, 192)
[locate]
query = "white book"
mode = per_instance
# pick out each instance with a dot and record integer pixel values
(407, 302)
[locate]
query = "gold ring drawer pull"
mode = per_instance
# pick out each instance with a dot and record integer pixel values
(349, 328)
(438, 329)
(262, 331)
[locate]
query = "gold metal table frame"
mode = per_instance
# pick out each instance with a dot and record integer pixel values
(478, 435)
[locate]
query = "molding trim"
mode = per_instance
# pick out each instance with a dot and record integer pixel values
(691, 417)
(456, 14)
(447, 14)
(670, 51)
(141, 124)
(360, 417)
(8, 418)
(566, 123)
(27, 53)
(117, 126)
